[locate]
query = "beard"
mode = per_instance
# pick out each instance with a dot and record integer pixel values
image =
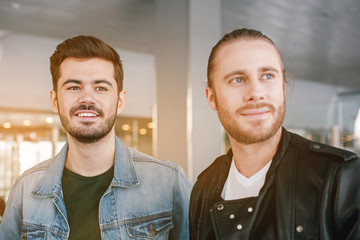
(256, 131)
(85, 132)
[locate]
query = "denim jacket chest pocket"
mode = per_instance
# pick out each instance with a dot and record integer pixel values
(35, 234)
(32, 232)
(150, 227)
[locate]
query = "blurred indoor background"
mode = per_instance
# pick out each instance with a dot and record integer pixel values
(164, 45)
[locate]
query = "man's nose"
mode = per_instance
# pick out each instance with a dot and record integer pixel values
(255, 91)
(87, 97)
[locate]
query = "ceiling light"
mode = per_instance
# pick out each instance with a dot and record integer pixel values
(150, 125)
(142, 131)
(7, 125)
(49, 120)
(125, 127)
(26, 123)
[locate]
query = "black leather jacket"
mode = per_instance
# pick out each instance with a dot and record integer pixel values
(311, 191)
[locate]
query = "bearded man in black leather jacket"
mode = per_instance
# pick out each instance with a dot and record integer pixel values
(272, 184)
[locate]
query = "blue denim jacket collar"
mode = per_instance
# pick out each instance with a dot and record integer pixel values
(124, 172)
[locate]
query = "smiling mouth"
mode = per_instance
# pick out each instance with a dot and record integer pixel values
(86, 112)
(86, 115)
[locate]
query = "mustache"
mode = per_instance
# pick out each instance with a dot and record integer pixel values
(86, 107)
(255, 106)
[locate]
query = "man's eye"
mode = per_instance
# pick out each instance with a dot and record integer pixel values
(101, 89)
(267, 76)
(74, 88)
(237, 80)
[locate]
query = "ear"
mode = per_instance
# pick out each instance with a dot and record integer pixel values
(210, 96)
(53, 101)
(121, 101)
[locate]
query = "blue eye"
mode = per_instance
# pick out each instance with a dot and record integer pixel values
(268, 76)
(237, 80)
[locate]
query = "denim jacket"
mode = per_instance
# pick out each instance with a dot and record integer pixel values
(147, 199)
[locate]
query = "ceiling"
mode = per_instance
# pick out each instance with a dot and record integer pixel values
(126, 24)
(319, 39)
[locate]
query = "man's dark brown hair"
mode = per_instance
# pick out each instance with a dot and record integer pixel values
(85, 47)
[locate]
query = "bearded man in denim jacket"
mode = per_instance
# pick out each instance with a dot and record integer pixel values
(96, 187)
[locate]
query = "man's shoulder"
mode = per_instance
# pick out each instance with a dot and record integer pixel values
(321, 149)
(213, 167)
(145, 159)
(140, 158)
(34, 172)
(151, 169)
(215, 171)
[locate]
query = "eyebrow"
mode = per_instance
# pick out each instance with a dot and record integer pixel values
(237, 72)
(272, 69)
(261, 69)
(79, 82)
(71, 81)
(103, 81)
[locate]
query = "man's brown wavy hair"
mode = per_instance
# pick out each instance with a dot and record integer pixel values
(85, 47)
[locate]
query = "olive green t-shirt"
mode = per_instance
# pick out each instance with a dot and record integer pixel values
(82, 196)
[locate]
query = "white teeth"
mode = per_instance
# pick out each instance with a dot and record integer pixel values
(86, 115)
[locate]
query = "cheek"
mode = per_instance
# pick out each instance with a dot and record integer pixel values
(110, 103)
(230, 100)
(65, 103)
(278, 96)
(63, 107)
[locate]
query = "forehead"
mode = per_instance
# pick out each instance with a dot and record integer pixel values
(86, 69)
(247, 54)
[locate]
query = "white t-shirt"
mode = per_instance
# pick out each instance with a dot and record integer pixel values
(238, 186)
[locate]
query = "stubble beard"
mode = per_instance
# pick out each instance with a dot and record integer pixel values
(258, 130)
(86, 133)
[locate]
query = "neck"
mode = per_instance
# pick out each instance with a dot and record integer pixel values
(251, 158)
(91, 159)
